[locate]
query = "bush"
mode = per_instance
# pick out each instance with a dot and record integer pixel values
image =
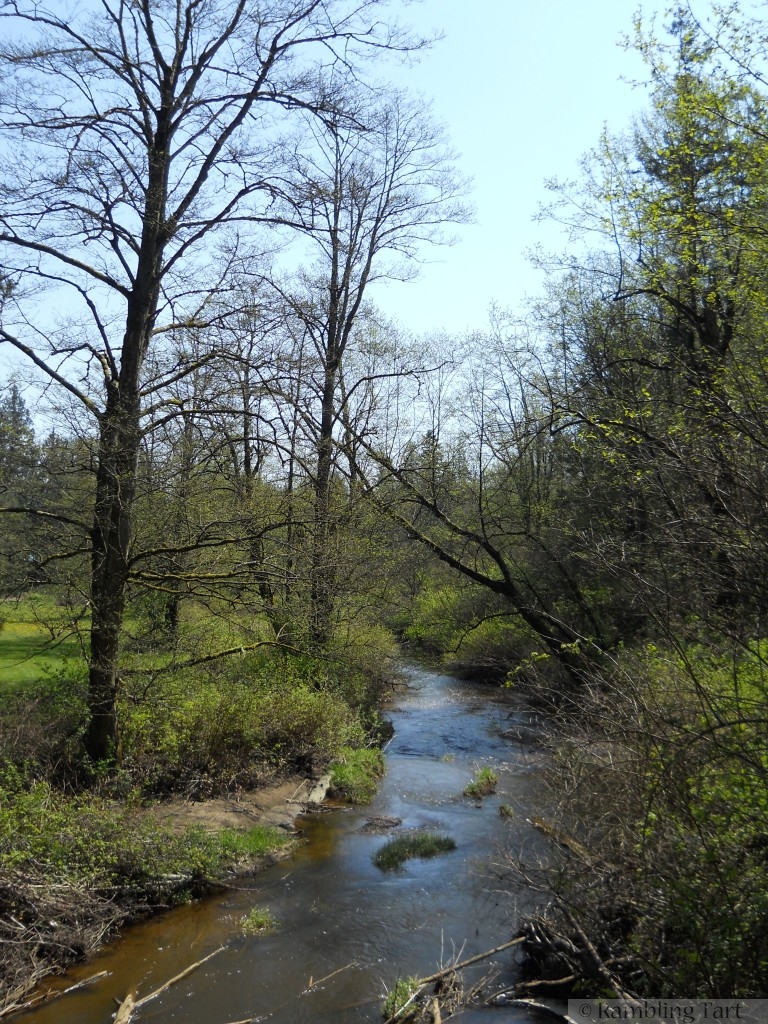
(211, 734)
(665, 815)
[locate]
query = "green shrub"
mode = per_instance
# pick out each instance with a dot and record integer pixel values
(420, 844)
(210, 733)
(355, 774)
(101, 843)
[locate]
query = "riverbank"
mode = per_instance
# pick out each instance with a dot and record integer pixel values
(48, 923)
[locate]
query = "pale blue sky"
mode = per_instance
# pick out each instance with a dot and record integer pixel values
(524, 87)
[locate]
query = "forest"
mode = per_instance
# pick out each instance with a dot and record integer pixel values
(232, 492)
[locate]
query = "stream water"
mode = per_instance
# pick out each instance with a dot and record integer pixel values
(339, 917)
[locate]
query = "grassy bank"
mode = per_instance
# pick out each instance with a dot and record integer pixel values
(75, 868)
(80, 849)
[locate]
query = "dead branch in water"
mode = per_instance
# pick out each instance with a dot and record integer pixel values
(471, 960)
(129, 1005)
(439, 975)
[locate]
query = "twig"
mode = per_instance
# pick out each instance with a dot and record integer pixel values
(313, 984)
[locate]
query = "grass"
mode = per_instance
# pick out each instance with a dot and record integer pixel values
(256, 842)
(506, 811)
(395, 1007)
(355, 774)
(28, 653)
(257, 921)
(420, 844)
(483, 784)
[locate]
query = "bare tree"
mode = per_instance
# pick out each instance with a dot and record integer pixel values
(366, 203)
(133, 136)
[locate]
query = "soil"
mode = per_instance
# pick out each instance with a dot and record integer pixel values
(276, 804)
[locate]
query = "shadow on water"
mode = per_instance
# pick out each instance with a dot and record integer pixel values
(346, 930)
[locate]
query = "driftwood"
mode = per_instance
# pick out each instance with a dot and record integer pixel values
(130, 1004)
(563, 839)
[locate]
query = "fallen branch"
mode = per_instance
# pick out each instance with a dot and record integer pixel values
(597, 964)
(472, 960)
(451, 969)
(129, 1005)
(313, 984)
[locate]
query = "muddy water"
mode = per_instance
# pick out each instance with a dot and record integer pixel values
(347, 930)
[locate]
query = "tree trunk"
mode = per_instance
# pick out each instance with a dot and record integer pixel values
(323, 569)
(115, 493)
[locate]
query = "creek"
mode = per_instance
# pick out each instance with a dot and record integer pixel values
(338, 916)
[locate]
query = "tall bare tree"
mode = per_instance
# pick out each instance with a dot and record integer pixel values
(134, 137)
(367, 202)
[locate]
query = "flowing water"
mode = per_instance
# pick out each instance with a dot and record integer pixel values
(346, 930)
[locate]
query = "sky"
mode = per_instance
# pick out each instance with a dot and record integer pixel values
(525, 88)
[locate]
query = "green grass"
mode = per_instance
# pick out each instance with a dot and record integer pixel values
(29, 654)
(483, 784)
(355, 774)
(37, 639)
(420, 844)
(256, 842)
(257, 921)
(95, 841)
